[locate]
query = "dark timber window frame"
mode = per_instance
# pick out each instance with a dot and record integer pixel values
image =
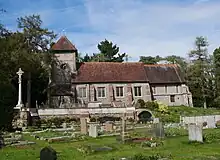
(137, 91)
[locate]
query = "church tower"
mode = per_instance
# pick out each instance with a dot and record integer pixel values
(65, 52)
(62, 73)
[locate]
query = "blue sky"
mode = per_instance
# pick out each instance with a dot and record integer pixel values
(138, 27)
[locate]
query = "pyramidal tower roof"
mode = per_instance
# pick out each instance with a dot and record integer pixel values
(63, 44)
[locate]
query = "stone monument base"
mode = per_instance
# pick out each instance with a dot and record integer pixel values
(21, 118)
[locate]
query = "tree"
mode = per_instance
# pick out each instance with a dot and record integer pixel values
(216, 56)
(29, 50)
(38, 38)
(150, 59)
(198, 72)
(108, 52)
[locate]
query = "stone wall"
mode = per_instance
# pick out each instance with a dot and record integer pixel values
(110, 93)
(80, 111)
(180, 93)
(211, 120)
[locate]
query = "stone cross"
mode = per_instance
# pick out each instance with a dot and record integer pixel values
(19, 73)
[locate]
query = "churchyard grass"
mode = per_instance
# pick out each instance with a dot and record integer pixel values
(177, 146)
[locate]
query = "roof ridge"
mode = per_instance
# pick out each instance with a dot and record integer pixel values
(175, 65)
(117, 62)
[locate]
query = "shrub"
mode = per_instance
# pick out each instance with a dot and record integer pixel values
(57, 121)
(141, 103)
(211, 136)
(218, 124)
(162, 108)
(152, 105)
(37, 123)
(67, 119)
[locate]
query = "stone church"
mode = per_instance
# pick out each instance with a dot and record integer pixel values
(110, 84)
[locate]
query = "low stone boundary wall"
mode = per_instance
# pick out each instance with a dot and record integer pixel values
(210, 119)
(81, 111)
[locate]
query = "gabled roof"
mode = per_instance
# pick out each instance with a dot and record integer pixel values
(98, 72)
(63, 44)
(164, 73)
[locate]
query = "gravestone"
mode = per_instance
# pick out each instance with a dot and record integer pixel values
(48, 153)
(211, 122)
(158, 130)
(64, 125)
(93, 130)
(195, 132)
(156, 120)
(2, 144)
(83, 125)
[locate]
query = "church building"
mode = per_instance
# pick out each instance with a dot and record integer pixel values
(111, 84)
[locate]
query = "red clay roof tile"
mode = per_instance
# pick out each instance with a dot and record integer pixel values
(95, 72)
(63, 44)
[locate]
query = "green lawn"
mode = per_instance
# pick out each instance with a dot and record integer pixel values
(178, 147)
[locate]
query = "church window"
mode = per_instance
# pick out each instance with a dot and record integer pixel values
(172, 98)
(119, 92)
(137, 91)
(82, 92)
(101, 92)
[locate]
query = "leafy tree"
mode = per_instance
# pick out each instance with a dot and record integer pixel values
(29, 50)
(150, 59)
(38, 38)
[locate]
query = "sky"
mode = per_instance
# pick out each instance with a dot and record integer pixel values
(138, 27)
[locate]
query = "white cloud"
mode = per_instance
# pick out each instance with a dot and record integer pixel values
(138, 27)
(141, 28)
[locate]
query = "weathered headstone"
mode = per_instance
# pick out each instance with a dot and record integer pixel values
(195, 132)
(211, 122)
(93, 130)
(2, 144)
(158, 130)
(48, 153)
(156, 120)
(64, 125)
(83, 125)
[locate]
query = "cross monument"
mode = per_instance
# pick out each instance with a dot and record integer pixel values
(19, 105)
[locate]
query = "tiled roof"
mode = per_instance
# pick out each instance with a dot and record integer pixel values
(164, 73)
(63, 44)
(95, 72)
